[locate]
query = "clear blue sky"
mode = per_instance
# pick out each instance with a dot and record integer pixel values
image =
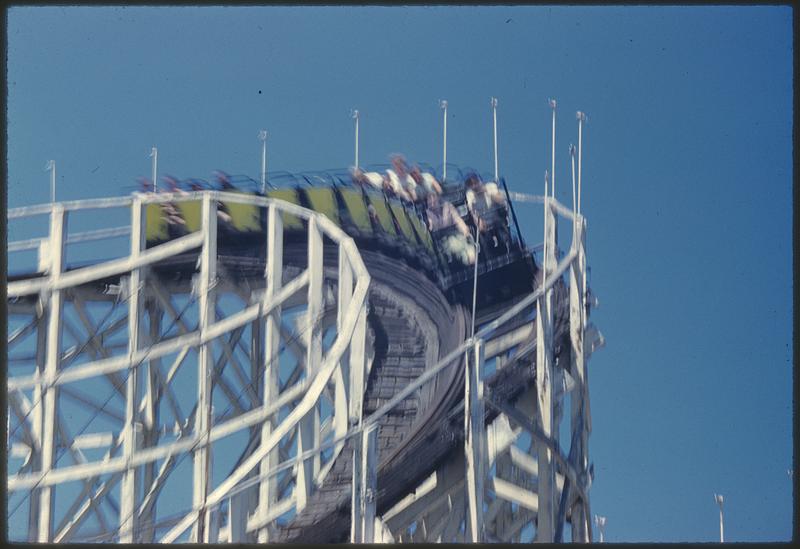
(687, 185)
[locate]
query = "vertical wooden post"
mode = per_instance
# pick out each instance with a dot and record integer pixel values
(130, 479)
(268, 489)
(37, 422)
(544, 386)
(206, 298)
(475, 442)
(58, 221)
(309, 426)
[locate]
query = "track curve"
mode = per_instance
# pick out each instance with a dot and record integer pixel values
(413, 325)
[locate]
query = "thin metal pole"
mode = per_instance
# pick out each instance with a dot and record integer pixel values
(544, 244)
(443, 105)
(553, 150)
(581, 119)
(494, 120)
(51, 165)
(475, 281)
(355, 116)
(572, 160)
(154, 155)
(262, 135)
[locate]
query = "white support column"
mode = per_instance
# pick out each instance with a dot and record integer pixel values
(369, 482)
(341, 416)
(544, 386)
(586, 415)
(309, 426)
(129, 489)
(36, 418)
(358, 366)
(577, 324)
(237, 518)
(58, 225)
(474, 442)
(356, 494)
(151, 419)
(268, 488)
(205, 367)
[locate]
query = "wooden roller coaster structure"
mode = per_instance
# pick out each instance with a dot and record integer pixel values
(338, 392)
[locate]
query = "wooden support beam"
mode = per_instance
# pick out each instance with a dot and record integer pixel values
(309, 426)
(268, 488)
(130, 437)
(365, 479)
(474, 442)
(58, 226)
(206, 298)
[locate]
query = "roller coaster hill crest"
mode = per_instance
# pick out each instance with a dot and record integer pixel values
(304, 364)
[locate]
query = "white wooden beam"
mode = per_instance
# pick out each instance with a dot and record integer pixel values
(58, 226)
(544, 387)
(309, 426)
(474, 442)
(206, 298)
(511, 492)
(130, 478)
(267, 491)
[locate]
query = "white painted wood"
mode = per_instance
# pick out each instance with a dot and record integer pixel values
(259, 521)
(356, 494)
(424, 488)
(201, 471)
(309, 426)
(342, 376)
(352, 323)
(369, 482)
(545, 530)
(267, 492)
(237, 519)
(130, 478)
(58, 227)
(474, 443)
(192, 339)
(512, 492)
(108, 268)
(309, 399)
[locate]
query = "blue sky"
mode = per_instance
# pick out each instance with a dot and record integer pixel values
(687, 185)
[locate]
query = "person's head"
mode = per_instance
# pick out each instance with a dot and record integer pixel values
(144, 184)
(171, 183)
(416, 174)
(432, 200)
(399, 164)
(223, 179)
(473, 182)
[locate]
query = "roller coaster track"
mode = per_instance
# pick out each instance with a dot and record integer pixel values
(391, 324)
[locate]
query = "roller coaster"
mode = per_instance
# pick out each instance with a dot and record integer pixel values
(349, 384)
